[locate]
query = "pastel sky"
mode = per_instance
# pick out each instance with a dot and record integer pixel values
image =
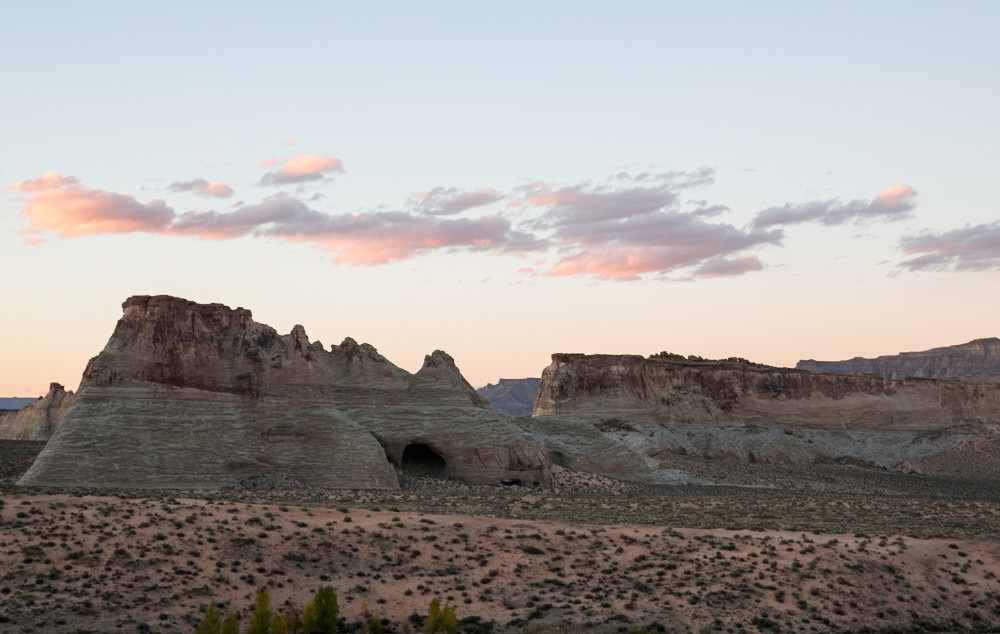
(769, 180)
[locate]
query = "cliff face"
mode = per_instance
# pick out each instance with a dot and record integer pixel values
(200, 395)
(667, 390)
(37, 420)
(513, 397)
(977, 361)
(745, 411)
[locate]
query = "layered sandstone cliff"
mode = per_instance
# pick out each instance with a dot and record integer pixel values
(201, 395)
(740, 410)
(977, 361)
(37, 420)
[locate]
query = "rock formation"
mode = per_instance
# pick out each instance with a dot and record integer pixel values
(977, 361)
(200, 395)
(188, 395)
(735, 409)
(513, 397)
(39, 419)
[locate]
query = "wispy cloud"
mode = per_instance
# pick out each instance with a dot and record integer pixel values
(972, 248)
(70, 210)
(202, 187)
(631, 225)
(893, 203)
(446, 201)
(48, 180)
(301, 168)
(624, 227)
(728, 267)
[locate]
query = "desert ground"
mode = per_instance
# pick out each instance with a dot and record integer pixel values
(895, 553)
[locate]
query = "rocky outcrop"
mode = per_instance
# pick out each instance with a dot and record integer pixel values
(39, 419)
(201, 395)
(734, 409)
(977, 361)
(513, 397)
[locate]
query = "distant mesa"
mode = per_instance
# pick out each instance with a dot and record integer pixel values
(977, 361)
(512, 397)
(12, 404)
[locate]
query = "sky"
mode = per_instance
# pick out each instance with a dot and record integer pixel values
(775, 181)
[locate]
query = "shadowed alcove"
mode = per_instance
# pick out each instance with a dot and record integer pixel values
(421, 460)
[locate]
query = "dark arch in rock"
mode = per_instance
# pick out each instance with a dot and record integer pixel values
(558, 458)
(421, 460)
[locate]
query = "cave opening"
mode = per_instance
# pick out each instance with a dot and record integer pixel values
(421, 460)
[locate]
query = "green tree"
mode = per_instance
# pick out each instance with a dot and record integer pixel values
(374, 626)
(294, 623)
(231, 625)
(211, 622)
(440, 619)
(320, 616)
(279, 625)
(260, 622)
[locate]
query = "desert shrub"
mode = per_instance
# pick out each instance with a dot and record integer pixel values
(321, 613)
(211, 623)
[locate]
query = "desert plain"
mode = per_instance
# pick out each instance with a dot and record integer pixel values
(879, 551)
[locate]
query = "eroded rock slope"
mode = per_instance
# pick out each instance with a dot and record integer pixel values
(667, 405)
(39, 419)
(201, 395)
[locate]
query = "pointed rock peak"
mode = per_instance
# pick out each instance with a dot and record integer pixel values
(353, 349)
(299, 337)
(56, 388)
(439, 371)
(440, 358)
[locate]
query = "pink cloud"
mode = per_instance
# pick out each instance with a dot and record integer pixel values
(893, 203)
(48, 180)
(303, 168)
(268, 162)
(361, 238)
(972, 248)
(202, 187)
(632, 225)
(290, 142)
(77, 211)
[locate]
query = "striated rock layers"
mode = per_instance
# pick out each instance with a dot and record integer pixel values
(667, 405)
(513, 397)
(39, 419)
(977, 361)
(200, 396)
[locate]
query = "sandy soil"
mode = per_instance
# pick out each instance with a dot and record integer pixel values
(75, 563)
(870, 552)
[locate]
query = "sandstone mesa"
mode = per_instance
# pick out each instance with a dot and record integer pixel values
(189, 395)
